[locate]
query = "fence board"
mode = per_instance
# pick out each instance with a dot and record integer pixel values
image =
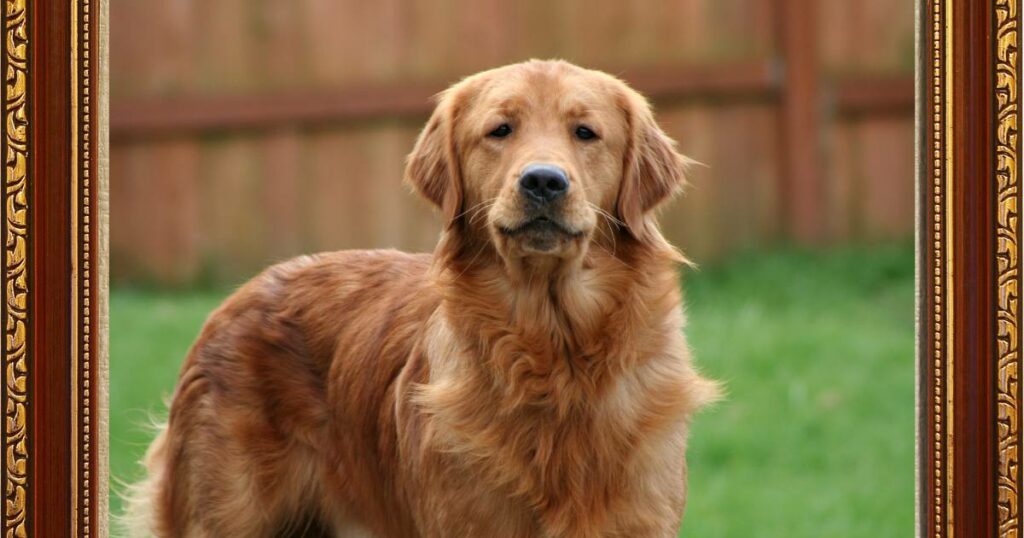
(155, 218)
(152, 48)
(281, 204)
(269, 149)
(888, 177)
(233, 225)
(842, 174)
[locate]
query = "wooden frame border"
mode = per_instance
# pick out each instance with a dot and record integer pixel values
(969, 280)
(54, 280)
(54, 226)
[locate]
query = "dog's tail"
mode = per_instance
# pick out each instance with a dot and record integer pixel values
(138, 517)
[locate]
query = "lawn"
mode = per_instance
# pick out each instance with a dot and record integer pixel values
(816, 350)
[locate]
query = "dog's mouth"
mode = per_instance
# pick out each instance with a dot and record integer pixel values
(540, 226)
(541, 235)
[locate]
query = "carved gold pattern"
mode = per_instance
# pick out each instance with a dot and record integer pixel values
(15, 270)
(1007, 269)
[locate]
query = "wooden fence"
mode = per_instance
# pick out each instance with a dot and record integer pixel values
(248, 131)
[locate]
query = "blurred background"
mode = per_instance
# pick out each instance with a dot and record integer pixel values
(244, 132)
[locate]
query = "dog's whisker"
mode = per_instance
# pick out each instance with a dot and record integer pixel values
(475, 207)
(472, 261)
(606, 234)
(464, 213)
(613, 224)
(482, 209)
(616, 258)
(610, 233)
(606, 214)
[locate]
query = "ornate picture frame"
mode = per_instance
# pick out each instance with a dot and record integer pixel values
(54, 310)
(969, 279)
(55, 280)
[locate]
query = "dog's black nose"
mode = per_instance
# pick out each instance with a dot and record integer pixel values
(543, 183)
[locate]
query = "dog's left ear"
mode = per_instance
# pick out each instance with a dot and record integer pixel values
(433, 167)
(653, 171)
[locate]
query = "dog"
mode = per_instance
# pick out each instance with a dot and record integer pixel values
(529, 378)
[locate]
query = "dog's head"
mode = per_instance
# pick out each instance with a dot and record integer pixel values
(535, 157)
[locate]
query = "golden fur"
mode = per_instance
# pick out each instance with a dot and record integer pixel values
(532, 384)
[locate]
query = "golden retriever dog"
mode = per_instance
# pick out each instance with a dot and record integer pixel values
(529, 378)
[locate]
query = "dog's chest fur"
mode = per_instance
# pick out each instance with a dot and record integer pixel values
(561, 427)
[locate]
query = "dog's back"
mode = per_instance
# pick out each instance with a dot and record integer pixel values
(254, 421)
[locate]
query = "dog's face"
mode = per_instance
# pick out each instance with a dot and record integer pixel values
(533, 156)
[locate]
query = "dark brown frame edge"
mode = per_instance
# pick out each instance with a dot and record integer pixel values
(53, 316)
(969, 269)
(49, 320)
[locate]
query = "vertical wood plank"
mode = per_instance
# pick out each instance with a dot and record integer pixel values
(686, 222)
(334, 202)
(886, 150)
(843, 182)
(142, 30)
(226, 56)
(282, 170)
(156, 196)
(800, 120)
(233, 224)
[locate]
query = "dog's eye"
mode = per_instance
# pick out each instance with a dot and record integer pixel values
(585, 133)
(502, 131)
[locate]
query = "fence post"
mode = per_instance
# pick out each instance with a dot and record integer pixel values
(801, 181)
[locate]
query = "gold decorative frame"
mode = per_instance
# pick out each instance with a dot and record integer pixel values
(54, 309)
(1008, 275)
(15, 222)
(969, 269)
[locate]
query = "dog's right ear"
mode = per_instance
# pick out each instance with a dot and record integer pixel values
(433, 167)
(653, 172)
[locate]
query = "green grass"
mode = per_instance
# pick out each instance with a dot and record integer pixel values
(816, 350)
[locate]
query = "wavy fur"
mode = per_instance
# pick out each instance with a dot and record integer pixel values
(486, 389)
